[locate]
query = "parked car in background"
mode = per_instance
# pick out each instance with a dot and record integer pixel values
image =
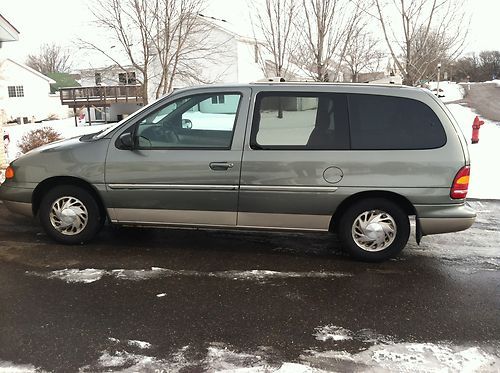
(353, 159)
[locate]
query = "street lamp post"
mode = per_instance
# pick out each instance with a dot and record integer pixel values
(439, 76)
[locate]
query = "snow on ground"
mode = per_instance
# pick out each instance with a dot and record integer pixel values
(65, 127)
(8, 367)
(378, 353)
(90, 275)
(451, 91)
(484, 155)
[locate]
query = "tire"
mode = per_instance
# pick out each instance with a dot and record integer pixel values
(70, 215)
(374, 229)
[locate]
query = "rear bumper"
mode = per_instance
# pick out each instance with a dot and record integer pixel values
(434, 219)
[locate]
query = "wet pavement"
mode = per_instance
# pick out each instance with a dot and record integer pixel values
(152, 300)
(484, 98)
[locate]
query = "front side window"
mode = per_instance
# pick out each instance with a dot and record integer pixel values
(15, 91)
(194, 122)
(300, 121)
(392, 123)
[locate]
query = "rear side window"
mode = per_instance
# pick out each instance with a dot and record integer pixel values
(297, 121)
(390, 123)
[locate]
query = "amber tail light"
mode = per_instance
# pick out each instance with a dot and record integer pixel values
(460, 185)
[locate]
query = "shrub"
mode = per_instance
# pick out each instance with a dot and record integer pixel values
(36, 138)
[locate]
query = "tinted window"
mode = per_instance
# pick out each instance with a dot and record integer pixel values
(201, 121)
(385, 122)
(300, 121)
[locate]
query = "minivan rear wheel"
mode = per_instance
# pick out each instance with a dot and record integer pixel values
(374, 229)
(70, 214)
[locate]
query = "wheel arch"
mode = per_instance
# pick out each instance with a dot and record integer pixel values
(400, 200)
(49, 183)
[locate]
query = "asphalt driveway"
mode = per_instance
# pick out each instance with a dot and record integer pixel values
(188, 300)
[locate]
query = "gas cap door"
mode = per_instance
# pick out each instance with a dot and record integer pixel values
(333, 175)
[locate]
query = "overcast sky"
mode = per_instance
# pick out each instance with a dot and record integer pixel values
(63, 21)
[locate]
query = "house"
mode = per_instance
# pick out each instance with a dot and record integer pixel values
(108, 94)
(7, 33)
(25, 94)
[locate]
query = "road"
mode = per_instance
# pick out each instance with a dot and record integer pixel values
(151, 300)
(484, 98)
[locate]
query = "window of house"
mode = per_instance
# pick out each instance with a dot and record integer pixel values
(300, 121)
(98, 78)
(218, 99)
(127, 78)
(387, 122)
(193, 122)
(15, 91)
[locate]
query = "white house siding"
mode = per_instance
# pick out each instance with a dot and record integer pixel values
(36, 102)
(249, 70)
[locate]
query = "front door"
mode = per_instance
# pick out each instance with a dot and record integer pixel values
(185, 163)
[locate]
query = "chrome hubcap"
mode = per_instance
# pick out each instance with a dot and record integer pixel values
(374, 230)
(68, 216)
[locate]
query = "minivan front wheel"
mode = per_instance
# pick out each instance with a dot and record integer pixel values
(70, 214)
(374, 229)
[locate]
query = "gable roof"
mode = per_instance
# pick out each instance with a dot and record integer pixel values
(33, 71)
(227, 27)
(7, 31)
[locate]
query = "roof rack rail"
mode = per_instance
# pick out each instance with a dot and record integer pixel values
(273, 79)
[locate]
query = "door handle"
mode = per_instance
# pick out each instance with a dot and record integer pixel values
(221, 166)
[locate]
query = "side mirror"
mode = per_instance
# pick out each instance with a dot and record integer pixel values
(125, 141)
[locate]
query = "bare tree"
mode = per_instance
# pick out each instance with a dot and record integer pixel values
(275, 23)
(163, 40)
(51, 58)
(362, 53)
(327, 28)
(419, 33)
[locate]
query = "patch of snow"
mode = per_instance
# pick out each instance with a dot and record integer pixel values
(65, 127)
(484, 155)
(412, 357)
(85, 276)
(141, 344)
(450, 91)
(332, 332)
(400, 356)
(161, 295)
(91, 275)
(8, 367)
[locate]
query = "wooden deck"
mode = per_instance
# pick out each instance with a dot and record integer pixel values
(100, 96)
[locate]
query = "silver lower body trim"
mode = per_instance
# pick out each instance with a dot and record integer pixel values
(444, 225)
(219, 219)
(22, 208)
(172, 187)
(172, 217)
(284, 221)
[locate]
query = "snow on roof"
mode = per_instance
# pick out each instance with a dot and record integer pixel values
(33, 71)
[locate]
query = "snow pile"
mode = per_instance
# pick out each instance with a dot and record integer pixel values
(8, 367)
(450, 91)
(484, 155)
(90, 275)
(65, 127)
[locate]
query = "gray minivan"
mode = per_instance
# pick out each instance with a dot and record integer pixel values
(353, 159)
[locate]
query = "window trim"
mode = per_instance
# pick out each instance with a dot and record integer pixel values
(133, 128)
(254, 145)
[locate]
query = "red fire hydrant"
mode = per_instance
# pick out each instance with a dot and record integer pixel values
(475, 129)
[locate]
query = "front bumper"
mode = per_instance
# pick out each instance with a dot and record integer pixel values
(17, 200)
(435, 219)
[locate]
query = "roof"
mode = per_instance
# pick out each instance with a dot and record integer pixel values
(228, 28)
(7, 31)
(33, 71)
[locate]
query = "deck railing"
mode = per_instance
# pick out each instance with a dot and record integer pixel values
(101, 95)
